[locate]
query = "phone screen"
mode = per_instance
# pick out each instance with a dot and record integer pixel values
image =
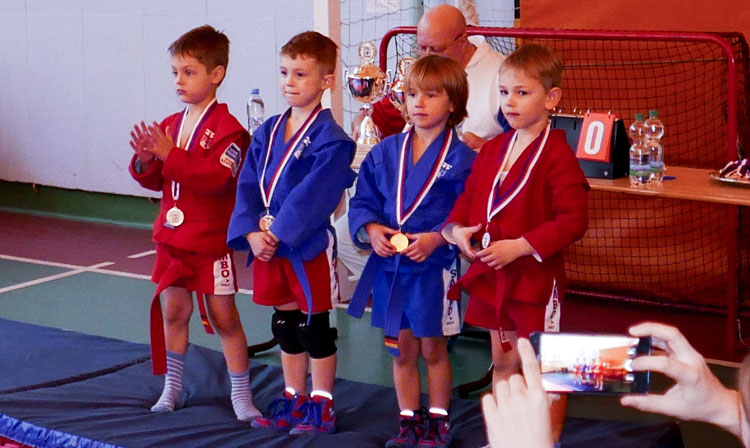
(587, 363)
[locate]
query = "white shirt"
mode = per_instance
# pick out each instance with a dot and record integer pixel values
(484, 98)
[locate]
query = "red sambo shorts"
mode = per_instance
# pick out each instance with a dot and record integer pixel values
(205, 274)
(275, 283)
(521, 317)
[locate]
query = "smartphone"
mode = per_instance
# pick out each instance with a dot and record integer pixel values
(591, 363)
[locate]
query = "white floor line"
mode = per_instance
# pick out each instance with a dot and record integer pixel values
(77, 270)
(142, 254)
(42, 262)
(50, 278)
(123, 274)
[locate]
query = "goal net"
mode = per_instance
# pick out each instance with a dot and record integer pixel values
(656, 250)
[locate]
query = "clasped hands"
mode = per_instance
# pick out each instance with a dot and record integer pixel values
(421, 245)
(498, 254)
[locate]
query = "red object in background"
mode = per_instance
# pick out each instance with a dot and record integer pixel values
(595, 141)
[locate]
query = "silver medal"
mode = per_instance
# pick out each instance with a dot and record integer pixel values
(175, 217)
(486, 240)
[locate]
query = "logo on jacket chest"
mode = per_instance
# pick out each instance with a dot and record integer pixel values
(444, 167)
(206, 138)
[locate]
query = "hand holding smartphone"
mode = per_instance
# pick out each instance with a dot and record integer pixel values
(591, 363)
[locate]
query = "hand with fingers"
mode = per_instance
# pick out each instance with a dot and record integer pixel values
(462, 237)
(503, 252)
(422, 245)
(139, 141)
(517, 413)
(263, 245)
(159, 142)
(697, 394)
(380, 239)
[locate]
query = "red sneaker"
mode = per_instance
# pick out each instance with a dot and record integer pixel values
(437, 432)
(410, 431)
(320, 417)
(283, 413)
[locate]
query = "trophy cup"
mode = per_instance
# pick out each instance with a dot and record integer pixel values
(367, 85)
(397, 92)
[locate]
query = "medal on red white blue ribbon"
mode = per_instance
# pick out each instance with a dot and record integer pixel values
(495, 205)
(398, 239)
(267, 194)
(175, 217)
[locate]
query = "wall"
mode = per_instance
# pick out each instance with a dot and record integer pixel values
(76, 75)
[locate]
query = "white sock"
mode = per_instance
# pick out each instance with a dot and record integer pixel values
(242, 397)
(171, 396)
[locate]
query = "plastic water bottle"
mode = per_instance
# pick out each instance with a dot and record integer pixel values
(640, 156)
(654, 133)
(255, 111)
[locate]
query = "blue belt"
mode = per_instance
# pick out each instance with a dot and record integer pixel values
(394, 303)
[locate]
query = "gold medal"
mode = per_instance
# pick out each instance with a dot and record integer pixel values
(400, 242)
(175, 217)
(265, 223)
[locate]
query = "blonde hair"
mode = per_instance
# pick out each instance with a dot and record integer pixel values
(538, 62)
(439, 73)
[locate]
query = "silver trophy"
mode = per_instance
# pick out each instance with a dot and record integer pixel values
(367, 85)
(397, 92)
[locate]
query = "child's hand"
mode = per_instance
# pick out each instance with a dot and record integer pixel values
(380, 239)
(503, 252)
(462, 236)
(423, 246)
(159, 143)
(263, 245)
(139, 141)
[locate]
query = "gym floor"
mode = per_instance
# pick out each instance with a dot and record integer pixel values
(94, 278)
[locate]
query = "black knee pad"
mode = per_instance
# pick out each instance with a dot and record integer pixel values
(318, 337)
(284, 326)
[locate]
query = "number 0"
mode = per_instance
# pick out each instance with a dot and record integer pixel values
(594, 138)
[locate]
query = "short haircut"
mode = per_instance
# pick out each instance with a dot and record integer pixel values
(208, 46)
(312, 44)
(538, 62)
(439, 73)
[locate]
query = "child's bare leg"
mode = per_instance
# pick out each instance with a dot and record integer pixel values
(507, 363)
(223, 313)
(294, 366)
(222, 310)
(323, 372)
(439, 373)
(178, 306)
(557, 411)
(317, 338)
(406, 372)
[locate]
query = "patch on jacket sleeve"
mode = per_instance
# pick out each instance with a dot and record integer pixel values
(231, 158)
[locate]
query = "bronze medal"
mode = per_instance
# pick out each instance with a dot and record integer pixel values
(265, 223)
(400, 242)
(175, 217)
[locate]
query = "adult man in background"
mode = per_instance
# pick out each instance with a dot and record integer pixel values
(442, 31)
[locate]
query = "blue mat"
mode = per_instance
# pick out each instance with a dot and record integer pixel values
(65, 389)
